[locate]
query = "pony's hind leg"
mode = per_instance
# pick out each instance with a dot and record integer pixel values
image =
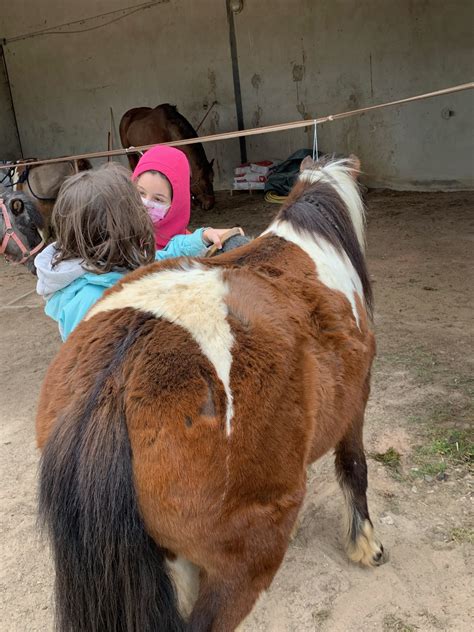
(226, 599)
(222, 606)
(243, 566)
(351, 468)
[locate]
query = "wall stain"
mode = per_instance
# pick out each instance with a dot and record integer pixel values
(301, 107)
(256, 81)
(353, 101)
(55, 128)
(256, 117)
(298, 72)
(94, 89)
(213, 119)
(211, 75)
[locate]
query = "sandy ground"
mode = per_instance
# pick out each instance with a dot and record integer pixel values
(420, 256)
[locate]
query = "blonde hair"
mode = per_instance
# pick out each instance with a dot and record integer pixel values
(100, 219)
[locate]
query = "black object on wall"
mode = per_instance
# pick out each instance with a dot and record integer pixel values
(236, 78)
(3, 61)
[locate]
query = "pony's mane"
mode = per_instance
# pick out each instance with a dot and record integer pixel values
(340, 174)
(326, 202)
(186, 130)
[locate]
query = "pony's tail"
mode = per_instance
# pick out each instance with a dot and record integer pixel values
(110, 575)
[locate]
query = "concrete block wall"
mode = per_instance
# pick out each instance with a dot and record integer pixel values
(297, 59)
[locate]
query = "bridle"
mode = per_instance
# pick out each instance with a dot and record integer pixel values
(11, 234)
(10, 173)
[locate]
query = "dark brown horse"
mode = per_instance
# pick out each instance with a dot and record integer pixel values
(163, 124)
(178, 420)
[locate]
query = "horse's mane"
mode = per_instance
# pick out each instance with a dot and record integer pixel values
(178, 119)
(326, 202)
(186, 130)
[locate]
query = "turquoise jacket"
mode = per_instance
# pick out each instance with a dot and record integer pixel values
(70, 292)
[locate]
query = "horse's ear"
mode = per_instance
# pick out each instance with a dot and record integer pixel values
(17, 207)
(211, 163)
(354, 164)
(307, 163)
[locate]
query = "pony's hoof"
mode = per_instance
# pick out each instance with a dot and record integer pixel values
(380, 557)
(366, 549)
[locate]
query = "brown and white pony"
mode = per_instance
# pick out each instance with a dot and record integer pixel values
(164, 124)
(179, 418)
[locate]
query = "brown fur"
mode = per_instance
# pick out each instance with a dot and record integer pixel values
(300, 381)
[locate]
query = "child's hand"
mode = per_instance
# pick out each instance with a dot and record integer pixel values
(213, 236)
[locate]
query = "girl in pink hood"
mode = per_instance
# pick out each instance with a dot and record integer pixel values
(162, 178)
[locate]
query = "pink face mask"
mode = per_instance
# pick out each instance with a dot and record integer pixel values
(156, 210)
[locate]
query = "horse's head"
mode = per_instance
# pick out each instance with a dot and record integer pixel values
(202, 189)
(20, 228)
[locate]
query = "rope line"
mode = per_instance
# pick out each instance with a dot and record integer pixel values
(249, 132)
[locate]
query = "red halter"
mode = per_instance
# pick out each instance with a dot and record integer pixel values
(10, 234)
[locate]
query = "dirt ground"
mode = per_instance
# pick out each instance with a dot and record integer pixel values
(418, 437)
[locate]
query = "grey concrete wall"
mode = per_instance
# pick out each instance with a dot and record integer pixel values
(65, 85)
(309, 58)
(297, 58)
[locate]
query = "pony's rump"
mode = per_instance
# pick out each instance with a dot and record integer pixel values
(110, 574)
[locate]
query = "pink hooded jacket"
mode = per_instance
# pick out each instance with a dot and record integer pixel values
(174, 165)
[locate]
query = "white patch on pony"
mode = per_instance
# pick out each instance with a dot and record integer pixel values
(185, 577)
(192, 297)
(341, 177)
(333, 268)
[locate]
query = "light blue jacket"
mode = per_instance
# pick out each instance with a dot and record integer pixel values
(70, 291)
